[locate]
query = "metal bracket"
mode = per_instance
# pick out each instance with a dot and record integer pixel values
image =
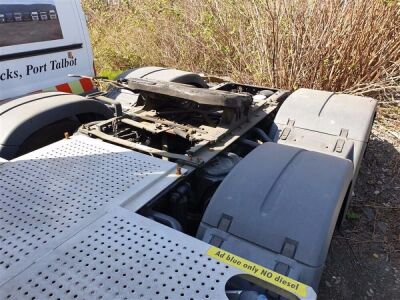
(289, 250)
(290, 123)
(223, 225)
(216, 241)
(286, 131)
(225, 222)
(99, 96)
(341, 141)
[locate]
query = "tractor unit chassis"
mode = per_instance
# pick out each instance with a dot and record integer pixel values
(186, 193)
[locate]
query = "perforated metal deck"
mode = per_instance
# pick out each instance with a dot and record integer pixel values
(51, 194)
(124, 256)
(66, 232)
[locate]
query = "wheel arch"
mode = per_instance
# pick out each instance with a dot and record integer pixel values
(22, 117)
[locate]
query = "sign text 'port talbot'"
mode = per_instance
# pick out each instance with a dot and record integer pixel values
(52, 65)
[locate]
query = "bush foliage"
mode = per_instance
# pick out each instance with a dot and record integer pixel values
(334, 45)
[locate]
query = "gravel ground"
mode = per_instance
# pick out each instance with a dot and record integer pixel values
(364, 259)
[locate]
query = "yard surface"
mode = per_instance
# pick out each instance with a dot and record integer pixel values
(364, 259)
(17, 33)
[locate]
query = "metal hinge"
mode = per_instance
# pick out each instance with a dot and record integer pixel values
(341, 141)
(289, 250)
(223, 224)
(290, 122)
(216, 241)
(285, 132)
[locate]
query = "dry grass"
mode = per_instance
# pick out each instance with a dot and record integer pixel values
(338, 45)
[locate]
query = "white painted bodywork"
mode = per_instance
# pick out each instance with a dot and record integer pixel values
(74, 30)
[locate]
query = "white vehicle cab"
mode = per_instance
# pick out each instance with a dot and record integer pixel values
(35, 16)
(53, 14)
(35, 89)
(43, 16)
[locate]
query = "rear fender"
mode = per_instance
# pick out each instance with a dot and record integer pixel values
(22, 117)
(279, 198)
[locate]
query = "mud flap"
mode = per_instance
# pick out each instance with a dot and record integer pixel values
(278, 207)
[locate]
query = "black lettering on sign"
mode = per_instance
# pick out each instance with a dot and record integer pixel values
(63, 63)
(31, 69)
(9, 74)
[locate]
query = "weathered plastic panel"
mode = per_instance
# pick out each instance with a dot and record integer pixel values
(329, 113)
(23, 116)
(277, 194)
(335, 124)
